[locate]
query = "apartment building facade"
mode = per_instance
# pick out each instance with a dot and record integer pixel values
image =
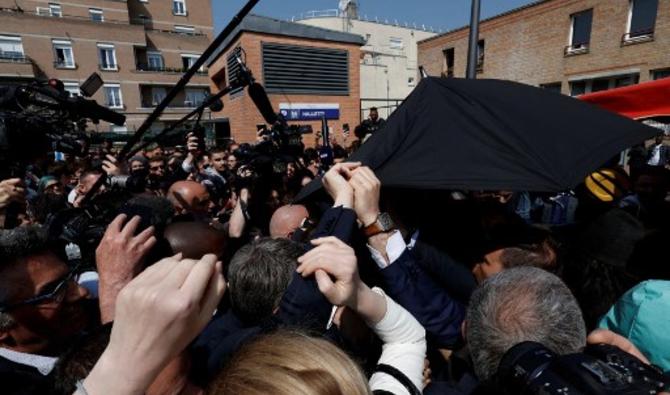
(140, 48)
(571, 46)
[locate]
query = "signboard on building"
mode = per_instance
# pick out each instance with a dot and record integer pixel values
(309, 111)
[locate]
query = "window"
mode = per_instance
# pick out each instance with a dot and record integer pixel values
(96, 14)
(552, 87)
(184, 29)
(189, 60)
(63, 53)
(72, 87)
(411, 81)
(194, 97)
(448, 70)
(304, 70)
(396, 43)
(659, 74)
(55, 10)
(107, 57)
(11, 48)
(155, 61)
(580, 87)
(641, 19)
(158, 93)
(580, 31)
(179, 7)
(481, 46)
(113, 97)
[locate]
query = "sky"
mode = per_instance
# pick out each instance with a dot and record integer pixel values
(438, 14)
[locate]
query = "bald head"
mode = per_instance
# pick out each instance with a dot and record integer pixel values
(286, 219)
(194, 239)
(189, 197)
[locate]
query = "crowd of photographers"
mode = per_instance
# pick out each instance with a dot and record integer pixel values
(189, 271)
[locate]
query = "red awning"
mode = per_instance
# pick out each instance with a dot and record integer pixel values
(646, 100)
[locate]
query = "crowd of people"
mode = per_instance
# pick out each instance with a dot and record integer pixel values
(195, 272)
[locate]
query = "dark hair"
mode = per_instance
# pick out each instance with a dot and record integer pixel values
(158, 158)
(373, 109)
(218, 150)
(258, 276)
(22, 242)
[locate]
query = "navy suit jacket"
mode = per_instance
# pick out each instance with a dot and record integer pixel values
(415, 290)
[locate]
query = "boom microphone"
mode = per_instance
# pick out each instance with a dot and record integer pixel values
(262, 102)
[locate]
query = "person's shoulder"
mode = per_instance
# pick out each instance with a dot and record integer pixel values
(19, 379)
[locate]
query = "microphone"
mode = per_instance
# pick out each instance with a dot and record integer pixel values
(262, 102)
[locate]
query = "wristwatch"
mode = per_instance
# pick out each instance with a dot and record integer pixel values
(383, 223)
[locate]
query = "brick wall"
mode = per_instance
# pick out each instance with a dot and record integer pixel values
(528, 45)
(241, 110)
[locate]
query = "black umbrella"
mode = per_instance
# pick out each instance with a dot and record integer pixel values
(493, 135)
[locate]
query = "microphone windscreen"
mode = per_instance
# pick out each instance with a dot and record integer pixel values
(262, 102)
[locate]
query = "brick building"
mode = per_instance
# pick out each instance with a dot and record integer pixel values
(307, 71)
(575, 46)
(139, 47)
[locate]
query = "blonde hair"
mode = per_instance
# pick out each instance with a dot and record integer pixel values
(290, 363)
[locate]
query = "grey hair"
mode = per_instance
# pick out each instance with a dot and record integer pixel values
(16, 244)
(258, 276)
(521, 304)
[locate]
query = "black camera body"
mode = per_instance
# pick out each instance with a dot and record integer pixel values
(530, 368)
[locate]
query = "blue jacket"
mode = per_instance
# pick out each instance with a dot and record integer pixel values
(411, 286)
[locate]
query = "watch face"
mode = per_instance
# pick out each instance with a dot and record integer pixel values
(385, 222)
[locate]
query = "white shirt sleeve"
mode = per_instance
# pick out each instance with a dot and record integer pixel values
(395, 246)
(404, 347)
(187, 167)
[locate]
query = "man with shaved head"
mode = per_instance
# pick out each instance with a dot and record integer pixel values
(189, 197)
(286, 219)
(195, 239)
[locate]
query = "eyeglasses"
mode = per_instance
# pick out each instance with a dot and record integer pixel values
(53, 293)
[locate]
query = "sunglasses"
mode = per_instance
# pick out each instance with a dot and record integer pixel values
(52, 293)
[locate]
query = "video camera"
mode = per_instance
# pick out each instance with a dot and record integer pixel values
(39, 117)
(529, 368)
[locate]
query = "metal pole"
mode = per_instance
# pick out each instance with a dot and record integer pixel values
(471, 72)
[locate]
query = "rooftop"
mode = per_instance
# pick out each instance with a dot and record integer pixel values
(336, 13)
(267, 25)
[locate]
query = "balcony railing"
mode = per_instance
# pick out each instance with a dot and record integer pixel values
(576, 49)
(639, 36)
(162, 69)
(13, 57)
(184, 104)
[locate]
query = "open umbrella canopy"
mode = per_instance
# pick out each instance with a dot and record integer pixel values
(493, 135)
(646, 100)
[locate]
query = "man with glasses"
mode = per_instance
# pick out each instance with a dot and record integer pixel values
(41, 308)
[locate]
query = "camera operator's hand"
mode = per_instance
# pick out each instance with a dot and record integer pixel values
(158, 315)
(336, 184)
(366, 194)
(110, 166)
(11, 190)
(335, 268)
(603, 336)
(119, 258)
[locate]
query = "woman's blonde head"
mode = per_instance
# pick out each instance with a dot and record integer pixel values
(290, 363)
